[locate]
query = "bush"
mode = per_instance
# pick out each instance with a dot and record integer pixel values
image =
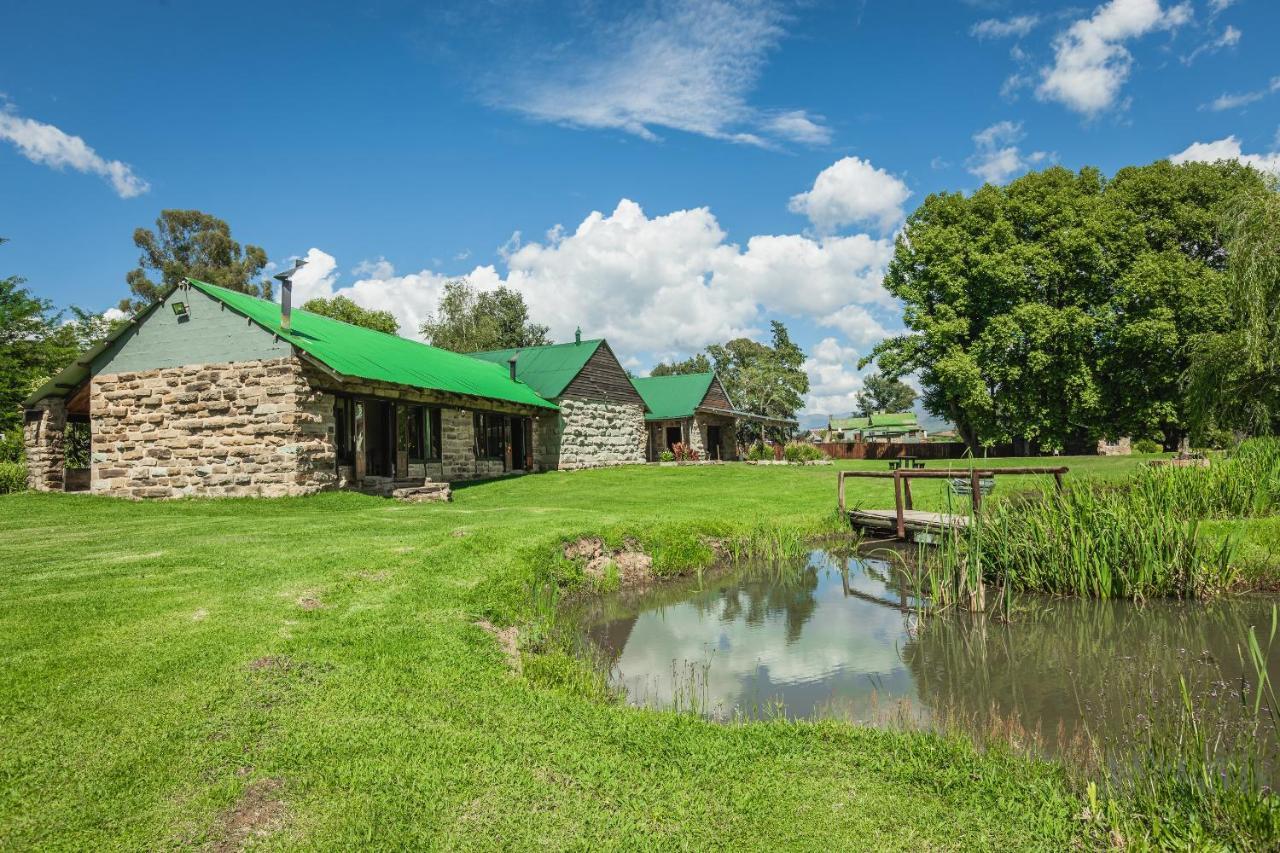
(1147, 445)
(759, 453)
(798, 451)
(11, 449)
(684, 453)
(667, 456)
(13, 477)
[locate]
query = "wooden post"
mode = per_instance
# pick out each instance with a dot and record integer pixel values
(975, 482)
(1057, 479)
(401, 419)
(897, 504)
(840, 491)
(906, 492)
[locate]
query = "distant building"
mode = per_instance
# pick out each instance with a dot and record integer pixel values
(896, 428)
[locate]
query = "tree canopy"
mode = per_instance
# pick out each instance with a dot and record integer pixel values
(469, 320)
(191, 243)
(766, 379)
(36, 342)
(882, 393)
(698, 363)
(1235, 374)
(342, 308)
(1060, 308)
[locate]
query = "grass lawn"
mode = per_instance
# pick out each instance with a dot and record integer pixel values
(306, 673)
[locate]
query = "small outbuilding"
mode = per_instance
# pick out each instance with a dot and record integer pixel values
(601, 419)
(694, 409)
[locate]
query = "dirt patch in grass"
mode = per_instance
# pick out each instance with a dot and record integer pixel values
(459, 533)
(376, 577)
(259, 812)
(276, 663)
(508, 639)
(634, 567)
(309, 602)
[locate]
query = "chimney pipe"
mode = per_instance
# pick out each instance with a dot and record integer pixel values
(577, 335)
(286, 294)
(511, 365)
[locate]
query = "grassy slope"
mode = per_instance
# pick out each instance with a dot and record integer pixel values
(131, 715)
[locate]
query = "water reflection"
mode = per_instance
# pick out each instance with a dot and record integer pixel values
(839, 637)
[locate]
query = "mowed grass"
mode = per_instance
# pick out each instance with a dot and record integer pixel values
(307, 673)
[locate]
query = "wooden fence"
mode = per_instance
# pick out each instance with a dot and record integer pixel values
(896, 450)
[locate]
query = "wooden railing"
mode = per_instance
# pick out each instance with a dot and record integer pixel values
(903, 476)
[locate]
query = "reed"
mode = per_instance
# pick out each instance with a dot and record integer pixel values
(1088, 540)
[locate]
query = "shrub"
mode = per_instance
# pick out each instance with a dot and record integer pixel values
(667, 456)
(1147, 445)
(13, 477)
(798, 451)
(684, 453)
(11, 449)
(759, 453)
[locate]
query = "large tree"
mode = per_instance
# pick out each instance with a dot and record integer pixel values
(698, 363)
(470, 320)
(1059, 309)
(766, 379)
(191, 243)
(882, 393)
(342, 308)
(1235, 374)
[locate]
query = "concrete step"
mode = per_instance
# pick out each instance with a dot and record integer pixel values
(424, 493)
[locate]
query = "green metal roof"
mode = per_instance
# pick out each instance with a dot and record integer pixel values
(548, 369)
(903, 422)
(363, 353)
(673, 396)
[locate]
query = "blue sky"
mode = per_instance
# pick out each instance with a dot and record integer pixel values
(665, 174)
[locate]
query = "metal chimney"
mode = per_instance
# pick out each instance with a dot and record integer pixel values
(577, 335)
(286, 293)
(511, 365)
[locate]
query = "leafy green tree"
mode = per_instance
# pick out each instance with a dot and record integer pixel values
(342, 308)
(1235, 374)
(31, 347)
(190, 243)
(473, 321)
(882, 393)
(1060, 309)
(766, 379)
(698, 363)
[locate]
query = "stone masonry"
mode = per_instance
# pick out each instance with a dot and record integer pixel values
(43, 434)
(595, 434)
(242, 428)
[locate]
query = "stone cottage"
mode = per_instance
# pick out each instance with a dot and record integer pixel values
(694, 410)
(601, 418)
(214, 392)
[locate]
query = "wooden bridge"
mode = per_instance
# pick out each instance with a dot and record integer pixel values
(907, 522)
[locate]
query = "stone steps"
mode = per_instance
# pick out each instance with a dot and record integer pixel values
(424, 493)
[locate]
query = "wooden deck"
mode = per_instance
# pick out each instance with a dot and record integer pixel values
(912, 519)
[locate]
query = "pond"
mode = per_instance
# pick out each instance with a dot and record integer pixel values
(841, 637)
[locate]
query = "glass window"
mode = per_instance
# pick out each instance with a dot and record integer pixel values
(423, 426)
(433, 435)
(344, 429)
(491, 436)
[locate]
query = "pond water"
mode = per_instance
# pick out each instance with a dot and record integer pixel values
(840, 636)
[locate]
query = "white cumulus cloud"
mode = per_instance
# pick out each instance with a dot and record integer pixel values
(852, 191)
(1242, 99)
(997, 156)
(1227, 149)
(1091, 63)
(834, 380)
(48, 146)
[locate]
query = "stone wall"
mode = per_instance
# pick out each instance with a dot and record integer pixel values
(595, 434)
(43, 434)
(239, 428)
(1120, 447)
(458, 448)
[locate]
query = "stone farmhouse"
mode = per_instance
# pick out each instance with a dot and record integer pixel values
(212, 392)
(694, 410)
(601, 419)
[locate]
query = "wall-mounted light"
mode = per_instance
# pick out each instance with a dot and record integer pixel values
(180, 309)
